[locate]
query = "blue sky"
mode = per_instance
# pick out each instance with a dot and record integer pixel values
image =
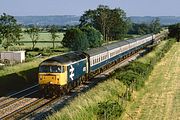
(77, 7)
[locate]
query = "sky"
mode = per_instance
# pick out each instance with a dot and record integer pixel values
(77, 7)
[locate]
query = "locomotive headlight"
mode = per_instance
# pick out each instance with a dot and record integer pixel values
(57, 77)
(40, 77)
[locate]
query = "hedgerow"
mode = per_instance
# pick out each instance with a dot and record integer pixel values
(133, 76)
(109, 110)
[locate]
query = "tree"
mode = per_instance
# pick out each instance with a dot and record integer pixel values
(143, 29)
(9, 31)
(75, 39)
(174, 31)
(112, 23)
(33, 33)
(53, 30)
(155, 26)
(146, 28)
(94, 36)
(118, 24)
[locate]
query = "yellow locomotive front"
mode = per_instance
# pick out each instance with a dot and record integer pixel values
(52, 76)
(57, 75)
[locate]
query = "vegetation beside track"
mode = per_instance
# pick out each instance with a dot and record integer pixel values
(109, 99)
(160, 99)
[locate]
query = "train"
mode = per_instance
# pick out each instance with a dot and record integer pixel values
(59, 74)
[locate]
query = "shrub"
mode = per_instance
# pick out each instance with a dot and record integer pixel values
(135, 74)
(109, 110)
(36, 49)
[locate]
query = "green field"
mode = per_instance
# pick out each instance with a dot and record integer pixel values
(44, 38)
(160, 99)
(43, 42)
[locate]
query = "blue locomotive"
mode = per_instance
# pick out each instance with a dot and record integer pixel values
(57, 75)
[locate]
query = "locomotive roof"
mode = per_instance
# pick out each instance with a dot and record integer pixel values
(67, 57)
(145, 36)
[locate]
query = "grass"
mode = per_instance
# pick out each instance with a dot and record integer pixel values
(43, 42)
(42, 37)
(84, 106)
(160, 99)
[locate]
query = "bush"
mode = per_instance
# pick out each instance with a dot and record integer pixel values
(36, 49)
(109, 110)
(135, 74)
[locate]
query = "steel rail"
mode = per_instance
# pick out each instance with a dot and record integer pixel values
(17, 99)
(17, 93)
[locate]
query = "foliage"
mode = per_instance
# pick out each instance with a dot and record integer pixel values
(75, 39)
(85, 105)
(94, 36)
(174, 31)
(145, 28)
(135, 74)
(112, 23)
(109, 110)
(33, 33)
(53, 30)
(9, 31)
(155, 26)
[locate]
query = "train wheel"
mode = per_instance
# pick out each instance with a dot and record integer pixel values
(67, 88)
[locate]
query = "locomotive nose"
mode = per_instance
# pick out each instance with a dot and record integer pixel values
(48, 79)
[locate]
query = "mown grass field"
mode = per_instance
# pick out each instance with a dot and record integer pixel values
(44, 41)
(160, 98)
(43, 36)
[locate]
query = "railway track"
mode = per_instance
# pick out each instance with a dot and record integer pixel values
(6, 104)
(27, 109)
(19, 94)
(13, 101)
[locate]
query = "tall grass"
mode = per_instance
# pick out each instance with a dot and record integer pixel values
(85, 106)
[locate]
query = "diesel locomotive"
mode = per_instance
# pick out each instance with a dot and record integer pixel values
(57, 75)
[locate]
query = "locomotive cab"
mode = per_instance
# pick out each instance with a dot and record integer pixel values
(59, 74)
(52, 74)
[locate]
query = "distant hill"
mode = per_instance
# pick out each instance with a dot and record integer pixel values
(74, 20)
(165, 20)
(48, 20)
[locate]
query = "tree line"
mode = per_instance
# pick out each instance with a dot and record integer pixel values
(10, 32)
(97, 26)
(145, 28)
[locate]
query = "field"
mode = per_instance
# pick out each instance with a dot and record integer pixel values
(160, 98)
(44, 40)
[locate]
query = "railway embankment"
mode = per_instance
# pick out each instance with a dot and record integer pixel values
(160, 99)
(18, 77)
(109, 100)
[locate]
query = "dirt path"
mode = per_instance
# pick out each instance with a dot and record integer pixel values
(160, 98)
